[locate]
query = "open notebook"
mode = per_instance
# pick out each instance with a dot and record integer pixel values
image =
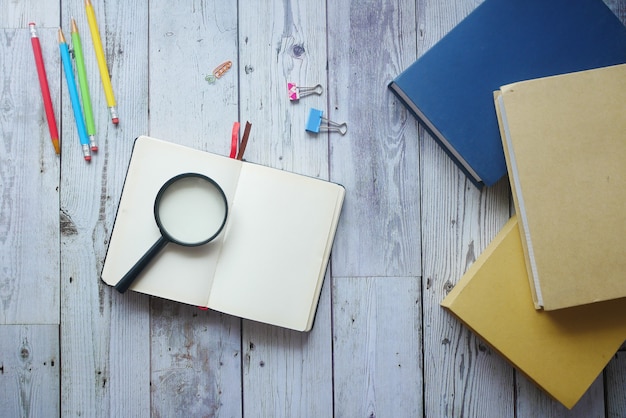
(269, 261)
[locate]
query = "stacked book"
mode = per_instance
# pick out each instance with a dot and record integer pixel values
(537, 90)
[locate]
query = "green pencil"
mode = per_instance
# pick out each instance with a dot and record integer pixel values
(84, 87)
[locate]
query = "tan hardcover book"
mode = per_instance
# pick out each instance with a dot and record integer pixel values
(564, 139)
(268, 262)
(561, 351)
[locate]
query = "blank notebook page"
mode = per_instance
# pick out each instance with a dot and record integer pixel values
(276, 240)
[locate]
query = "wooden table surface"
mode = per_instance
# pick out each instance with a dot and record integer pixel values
(412, 223)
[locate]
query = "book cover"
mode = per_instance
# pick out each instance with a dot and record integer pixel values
(449, 87)
(564, 141)
(269, 261)
(561, 351)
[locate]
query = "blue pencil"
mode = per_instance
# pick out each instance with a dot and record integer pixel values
(71, 85)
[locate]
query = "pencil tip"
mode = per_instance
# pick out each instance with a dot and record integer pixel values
(74, 27)
(61, 36)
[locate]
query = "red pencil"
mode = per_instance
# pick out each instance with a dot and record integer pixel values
(45, 90)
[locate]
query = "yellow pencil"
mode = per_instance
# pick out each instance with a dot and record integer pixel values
(102, 65)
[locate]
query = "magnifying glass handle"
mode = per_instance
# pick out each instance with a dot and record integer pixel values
(132, 274)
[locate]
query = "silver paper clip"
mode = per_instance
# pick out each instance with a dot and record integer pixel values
(316, 123)
(296, 92)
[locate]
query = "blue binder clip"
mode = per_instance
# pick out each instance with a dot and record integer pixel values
(317, 123)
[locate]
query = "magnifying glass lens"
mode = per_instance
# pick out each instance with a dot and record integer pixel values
(191, 210)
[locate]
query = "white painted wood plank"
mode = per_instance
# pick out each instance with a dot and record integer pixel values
(196, 362)
(29, 184)
(105, 336)
(376, 370)
(196, 355)
(288, 44)
(532, 402)
(615, 378)
(188, 40)
(18, 14)
(285, 373)
(377, 347)
(288, 373)
(618, 7)
(29, 370)
(378, 160)
(462, 376)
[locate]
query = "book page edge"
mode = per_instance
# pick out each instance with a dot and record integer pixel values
(518, 198)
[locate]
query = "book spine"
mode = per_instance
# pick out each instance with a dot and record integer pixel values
(424, 124)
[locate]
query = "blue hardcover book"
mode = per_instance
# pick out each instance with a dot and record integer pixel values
(450, 88)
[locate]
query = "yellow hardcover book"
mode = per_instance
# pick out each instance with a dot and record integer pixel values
(561, 351)
(565, 148)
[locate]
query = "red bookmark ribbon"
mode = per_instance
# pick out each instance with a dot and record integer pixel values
(234, 144)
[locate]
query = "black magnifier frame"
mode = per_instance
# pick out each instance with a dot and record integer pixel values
(166, 237)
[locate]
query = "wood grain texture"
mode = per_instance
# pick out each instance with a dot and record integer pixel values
(463, 376)
(105, 336)
(187, 41)
(29, 184)
(195, 362)
(378, 160)
(618, 7)
(195, 355)
(376, 345)
(532, 402)
(289, 373)
(615, 386)
(411, 226)
(29, 370)
(288, 44)
(285, 373)
(18, 14)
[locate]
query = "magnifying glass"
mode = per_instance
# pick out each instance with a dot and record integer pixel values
(190, 210)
